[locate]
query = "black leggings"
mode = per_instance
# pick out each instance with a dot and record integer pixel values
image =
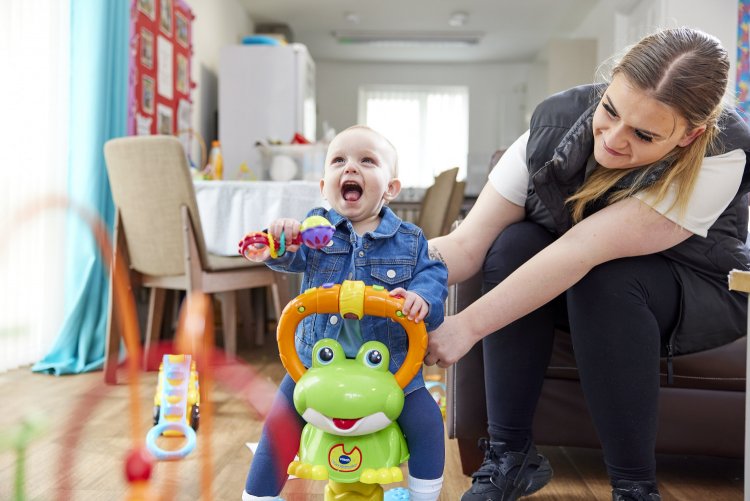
(619, 314)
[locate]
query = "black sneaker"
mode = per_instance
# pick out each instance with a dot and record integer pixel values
(627, 490)
(506, 475)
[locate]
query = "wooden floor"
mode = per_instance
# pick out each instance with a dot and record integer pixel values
(96, 460)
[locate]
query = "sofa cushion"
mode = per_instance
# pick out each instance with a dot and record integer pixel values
(721, 368)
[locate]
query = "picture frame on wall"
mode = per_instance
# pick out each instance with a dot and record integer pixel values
(182, 74)
(165, 16)
(147, 7)
(147, 95)
(181, 32)
(147, 48)
(164, 115)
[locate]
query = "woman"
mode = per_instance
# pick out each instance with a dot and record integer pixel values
(626, 201)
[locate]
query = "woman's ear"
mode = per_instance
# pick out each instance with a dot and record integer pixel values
(394, 188)
(691, 136)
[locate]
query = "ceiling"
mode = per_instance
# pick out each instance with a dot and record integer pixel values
(512, 30)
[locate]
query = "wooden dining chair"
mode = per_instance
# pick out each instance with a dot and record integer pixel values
(455, 204)
(436, 202)
(158, 236)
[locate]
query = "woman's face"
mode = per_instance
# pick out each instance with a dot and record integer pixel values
(632, 129)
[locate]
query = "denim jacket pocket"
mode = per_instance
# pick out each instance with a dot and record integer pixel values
(331, 260)
(391, 275)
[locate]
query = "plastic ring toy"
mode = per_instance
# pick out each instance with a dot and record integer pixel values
(315, 232)
(350, 298)
(272, 246)
(282, 244)
(253, 246)
(160, 428)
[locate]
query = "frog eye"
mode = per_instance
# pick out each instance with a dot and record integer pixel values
(373, 358)
(325, 355)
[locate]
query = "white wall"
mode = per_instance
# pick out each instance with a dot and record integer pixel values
(216, 24)
(501, 96)
(717, 17)
(496, 100)
(571, 62)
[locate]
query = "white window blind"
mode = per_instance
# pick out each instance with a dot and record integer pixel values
(34, 97)
(429, 126)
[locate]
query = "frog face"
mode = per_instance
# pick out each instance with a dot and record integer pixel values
(349, 397)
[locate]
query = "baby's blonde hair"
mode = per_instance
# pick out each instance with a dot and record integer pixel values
(394, 169)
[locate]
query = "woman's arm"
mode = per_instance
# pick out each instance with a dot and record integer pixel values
(463, 250)
(626, 228)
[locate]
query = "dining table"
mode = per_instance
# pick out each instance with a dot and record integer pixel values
(231, 209)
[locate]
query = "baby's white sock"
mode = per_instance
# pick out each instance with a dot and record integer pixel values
(248, 497)
(424, 490)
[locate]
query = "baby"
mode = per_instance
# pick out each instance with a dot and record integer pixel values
(373, 245)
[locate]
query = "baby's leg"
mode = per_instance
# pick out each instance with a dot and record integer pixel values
(277, 447)
(422, 424)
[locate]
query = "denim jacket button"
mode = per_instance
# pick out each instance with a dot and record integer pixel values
(334, 320)
(361, 253)
(390, 273)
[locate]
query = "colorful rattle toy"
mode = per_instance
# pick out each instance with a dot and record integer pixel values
(315, 232)
(176, 406)
(351, 437)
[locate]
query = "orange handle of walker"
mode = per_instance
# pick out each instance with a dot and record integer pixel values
(374, 300)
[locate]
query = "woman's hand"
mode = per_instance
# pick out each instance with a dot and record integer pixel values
(449, 342)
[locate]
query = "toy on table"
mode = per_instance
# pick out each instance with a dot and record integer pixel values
(176, 406)
(351, 437)
(315, 232)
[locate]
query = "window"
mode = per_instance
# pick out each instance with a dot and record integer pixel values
(33, 97)
(429, 126)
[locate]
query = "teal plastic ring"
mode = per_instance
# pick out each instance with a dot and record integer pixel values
(282, 244)
(160, 428)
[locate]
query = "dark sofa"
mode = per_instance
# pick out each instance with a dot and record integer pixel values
(702, 412)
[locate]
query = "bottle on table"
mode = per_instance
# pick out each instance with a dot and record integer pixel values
(216, 161)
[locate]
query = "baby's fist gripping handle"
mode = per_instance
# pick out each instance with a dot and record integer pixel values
(315, 232)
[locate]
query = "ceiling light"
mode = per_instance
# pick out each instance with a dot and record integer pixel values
(458, 19)
(351, 17)
(409, 38)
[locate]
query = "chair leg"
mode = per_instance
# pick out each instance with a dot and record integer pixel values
(229, 322)
(275, 297)
(245, 311)
(283, 288)
(112, 346)
(259, 310)
(156, 303)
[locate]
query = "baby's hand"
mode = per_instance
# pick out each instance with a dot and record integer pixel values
(415, 308)
(290, 229)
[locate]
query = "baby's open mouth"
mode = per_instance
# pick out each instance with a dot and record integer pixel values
(351, 191)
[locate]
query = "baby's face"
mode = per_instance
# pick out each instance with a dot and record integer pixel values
(358, 174)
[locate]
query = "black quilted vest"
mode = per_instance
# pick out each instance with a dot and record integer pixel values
(560, 144)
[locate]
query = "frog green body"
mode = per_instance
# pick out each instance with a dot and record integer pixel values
(351, 407)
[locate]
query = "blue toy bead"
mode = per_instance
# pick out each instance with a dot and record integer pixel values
(397, 494)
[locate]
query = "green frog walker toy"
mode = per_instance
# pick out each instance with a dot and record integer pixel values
(351, 437)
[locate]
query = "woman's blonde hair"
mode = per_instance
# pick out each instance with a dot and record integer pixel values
(687, 70)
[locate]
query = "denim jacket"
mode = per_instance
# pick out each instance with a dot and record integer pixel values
(394, 255)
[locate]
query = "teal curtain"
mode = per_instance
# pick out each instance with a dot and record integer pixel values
(99, 42)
